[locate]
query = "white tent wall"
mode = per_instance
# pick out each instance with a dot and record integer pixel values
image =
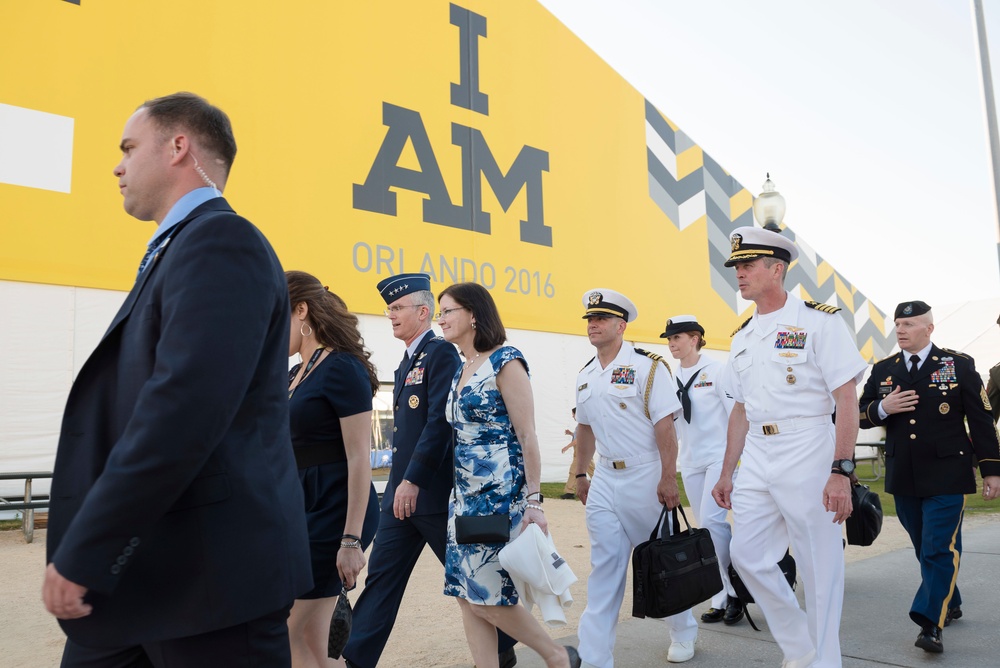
(49, 331)
(970, 327)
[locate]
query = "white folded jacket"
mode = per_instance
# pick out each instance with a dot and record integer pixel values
(540, 575)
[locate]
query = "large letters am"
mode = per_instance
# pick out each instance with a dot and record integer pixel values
(405, 125)
(477, 161)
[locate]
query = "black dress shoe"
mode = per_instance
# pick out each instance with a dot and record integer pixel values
(734, 611)
(568, 495)
(508, 659)
(952, 615)
(929, 640)
(574, 657)
(713, 615)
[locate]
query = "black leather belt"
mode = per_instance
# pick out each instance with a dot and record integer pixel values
(317, 454)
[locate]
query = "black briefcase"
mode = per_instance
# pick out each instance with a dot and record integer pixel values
(787, 566)
(671, 574)
(865, 521)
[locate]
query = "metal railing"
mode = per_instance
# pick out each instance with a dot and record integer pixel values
(874, 452)
(30, 502)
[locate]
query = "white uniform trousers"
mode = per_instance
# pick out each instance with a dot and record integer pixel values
(777, 501)
(698, 484)
(622, 510)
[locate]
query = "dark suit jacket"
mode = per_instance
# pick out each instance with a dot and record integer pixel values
(928, 451)
(175, 498)
(422, 450)
(993, 391)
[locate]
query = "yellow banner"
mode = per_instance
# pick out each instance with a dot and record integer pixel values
(473, 141)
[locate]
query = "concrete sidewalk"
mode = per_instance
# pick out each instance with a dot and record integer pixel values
(875, 627)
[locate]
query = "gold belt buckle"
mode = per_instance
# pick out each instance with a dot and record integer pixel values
(618, 464)
(770, 429)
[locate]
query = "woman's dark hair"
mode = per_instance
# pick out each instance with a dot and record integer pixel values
(335, 326)
(473, 297)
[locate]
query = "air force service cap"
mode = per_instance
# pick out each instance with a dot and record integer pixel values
(910, 309)
(604, 303)
(750, 243)
(682, 323)
(400, 285)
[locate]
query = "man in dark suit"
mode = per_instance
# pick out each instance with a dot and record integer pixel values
(415, 502)
(993, 389)
(923, 396)
(176, 531)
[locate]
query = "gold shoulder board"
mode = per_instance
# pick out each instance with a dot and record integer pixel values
(825, 308)
(745, 323)
(656, 358)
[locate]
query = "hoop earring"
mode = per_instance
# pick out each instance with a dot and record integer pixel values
(302, 329)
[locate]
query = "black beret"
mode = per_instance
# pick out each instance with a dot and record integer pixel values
(911, 309)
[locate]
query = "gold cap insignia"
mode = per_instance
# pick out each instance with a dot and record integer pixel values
(595, 298)
(737, 239)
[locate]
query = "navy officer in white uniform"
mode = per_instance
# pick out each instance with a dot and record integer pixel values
(636, 470)
(791, 365)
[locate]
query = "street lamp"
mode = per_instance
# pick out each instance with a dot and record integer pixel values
(769, 207)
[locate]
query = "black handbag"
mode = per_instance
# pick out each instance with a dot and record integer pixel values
(865, 521)
(340, 626)
(482, 529)
(787, 566)
(671, 574)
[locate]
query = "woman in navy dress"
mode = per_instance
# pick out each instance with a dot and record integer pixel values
(330, 413)
(497, 470)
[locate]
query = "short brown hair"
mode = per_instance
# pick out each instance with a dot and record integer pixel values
(209, 124)
(490, 331)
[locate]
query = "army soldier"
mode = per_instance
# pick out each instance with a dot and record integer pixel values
(625, 399)
(790, 366)
(923, 396)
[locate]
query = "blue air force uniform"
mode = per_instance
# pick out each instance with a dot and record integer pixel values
(421, 454)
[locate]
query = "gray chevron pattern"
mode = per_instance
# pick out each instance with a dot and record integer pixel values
(687, 184)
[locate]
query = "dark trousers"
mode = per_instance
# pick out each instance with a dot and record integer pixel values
(397, 546)
(935, 527)
(259, 643)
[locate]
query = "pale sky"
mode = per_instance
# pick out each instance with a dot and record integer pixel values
(867, 113)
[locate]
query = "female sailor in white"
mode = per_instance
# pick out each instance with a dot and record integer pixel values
(701, 432)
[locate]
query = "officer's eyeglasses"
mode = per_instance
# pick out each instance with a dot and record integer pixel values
(394, 310)
(443, 313)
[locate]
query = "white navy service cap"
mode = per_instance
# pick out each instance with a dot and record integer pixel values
(602, 302)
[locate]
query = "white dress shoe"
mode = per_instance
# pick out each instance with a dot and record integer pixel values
(680, 652)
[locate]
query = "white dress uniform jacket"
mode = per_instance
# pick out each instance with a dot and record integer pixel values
(703, 440)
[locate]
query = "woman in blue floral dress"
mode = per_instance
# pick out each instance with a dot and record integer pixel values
(497, 470)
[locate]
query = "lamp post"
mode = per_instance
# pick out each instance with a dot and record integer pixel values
(769, 207)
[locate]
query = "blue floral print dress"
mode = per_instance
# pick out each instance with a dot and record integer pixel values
(489, 480)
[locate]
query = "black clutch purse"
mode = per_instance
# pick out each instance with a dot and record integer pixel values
(340, 627)
(482, 529)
